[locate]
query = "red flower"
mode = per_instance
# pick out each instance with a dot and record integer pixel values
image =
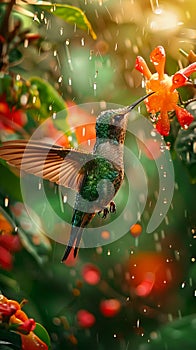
(8, 243)
(11, 118)
(16, 320)
(166, 96)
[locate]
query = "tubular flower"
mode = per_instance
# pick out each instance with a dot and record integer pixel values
(165, 98)
(14, 319)
(9, 244)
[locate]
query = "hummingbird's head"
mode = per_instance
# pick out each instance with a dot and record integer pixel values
(111, 124)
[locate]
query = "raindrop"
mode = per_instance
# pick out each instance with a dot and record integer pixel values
(26, 43)
(83, 131)
(65, 198)
(34, 99)
(60, 79)
(170, 317)
(70, 138)
(61, 31)
(166, 220)
(50, 108)
(54, 115)
(177, 255)
(153, 133)
(162, 148)
(90, 55)
(18, 77)
(39, 186)
(42, 15)
(82, 42)
(183, 284)
(143, 84)
(108, 252)
(194, 147)
(155, 6)
(135, 49)
(24, 100)
(69, 82)
(95, 88)
(187, 157)
(35, 18)
(6, 202)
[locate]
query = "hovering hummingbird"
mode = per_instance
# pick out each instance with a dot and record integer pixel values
(96, 176)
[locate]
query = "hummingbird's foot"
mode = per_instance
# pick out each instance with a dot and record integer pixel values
(112, 207)
(104, 213)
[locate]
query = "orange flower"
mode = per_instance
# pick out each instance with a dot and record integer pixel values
(16, 320)
(166, 96)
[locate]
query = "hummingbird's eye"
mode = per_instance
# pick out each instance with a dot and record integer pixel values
(117, 118)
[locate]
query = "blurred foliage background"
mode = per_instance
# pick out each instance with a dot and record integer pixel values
(57, 59)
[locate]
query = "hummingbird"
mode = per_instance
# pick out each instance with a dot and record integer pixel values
(96, 177)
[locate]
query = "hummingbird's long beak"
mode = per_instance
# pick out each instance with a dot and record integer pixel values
(129, 108)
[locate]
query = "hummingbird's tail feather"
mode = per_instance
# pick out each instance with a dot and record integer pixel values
(74, 241)
(82, 220)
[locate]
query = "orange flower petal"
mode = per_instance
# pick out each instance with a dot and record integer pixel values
(184, 117)
(157, 57)
(32, 342)
(142, 67)
(163, 124)
(189, 70)
(178, 80)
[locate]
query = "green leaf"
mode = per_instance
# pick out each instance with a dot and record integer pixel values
(70, 14)
(49, 97)
(179, 334)
(14, 55)
(10, 183)
(5, 84)
(42, 333)
(52, 102)
(185, 145)
(9, 340)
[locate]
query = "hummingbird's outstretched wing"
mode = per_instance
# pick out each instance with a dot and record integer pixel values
(51, 162)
